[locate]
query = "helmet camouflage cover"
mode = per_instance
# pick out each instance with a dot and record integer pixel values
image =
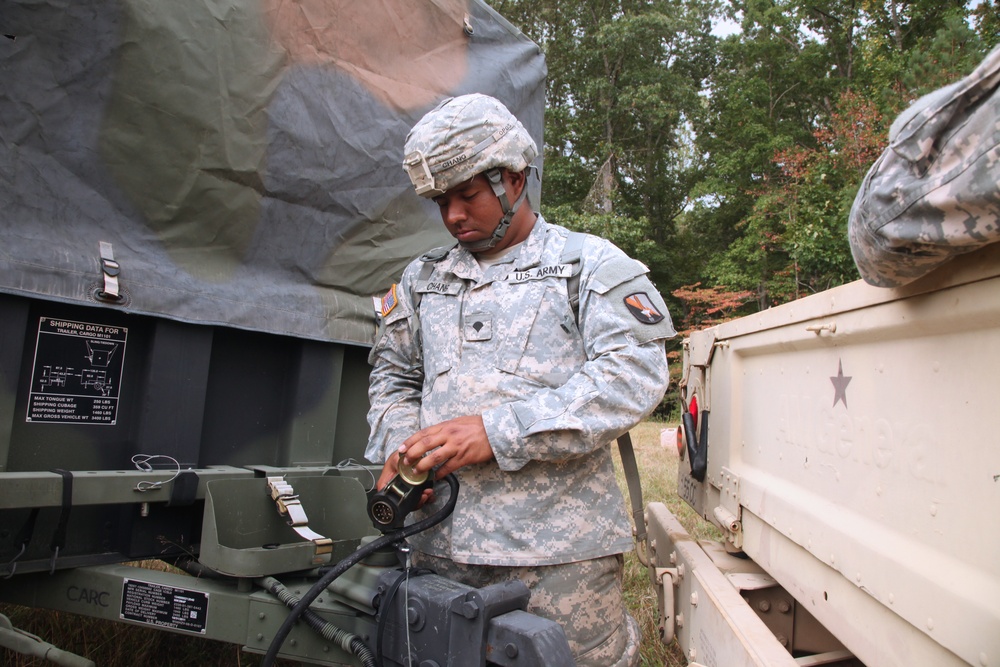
(462, 137)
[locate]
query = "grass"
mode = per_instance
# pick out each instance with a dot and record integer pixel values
(112, 644)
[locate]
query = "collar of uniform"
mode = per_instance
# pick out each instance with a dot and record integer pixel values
(460, 263)
(533, 246)
(463, 264)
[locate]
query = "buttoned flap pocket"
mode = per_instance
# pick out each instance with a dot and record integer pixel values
(539, 339)
(439, 321)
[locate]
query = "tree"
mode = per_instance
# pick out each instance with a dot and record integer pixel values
(800, 108)
(732, 163)
(625, 78)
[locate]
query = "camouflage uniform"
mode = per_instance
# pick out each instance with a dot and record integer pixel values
(554, 389)
(935, 192)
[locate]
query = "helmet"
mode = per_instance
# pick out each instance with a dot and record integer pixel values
(462, 137)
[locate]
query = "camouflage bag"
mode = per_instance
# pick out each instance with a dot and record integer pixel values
(935, 191)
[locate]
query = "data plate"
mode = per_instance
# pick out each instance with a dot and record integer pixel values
(164, 606)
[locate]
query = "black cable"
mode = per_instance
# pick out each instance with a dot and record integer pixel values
(352, 560)
(346, 640)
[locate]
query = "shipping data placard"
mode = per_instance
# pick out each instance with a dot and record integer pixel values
(77, 372)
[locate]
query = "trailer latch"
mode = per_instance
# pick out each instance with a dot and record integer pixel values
(290, 507)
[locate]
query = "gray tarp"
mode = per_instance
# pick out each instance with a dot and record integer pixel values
(242, 157)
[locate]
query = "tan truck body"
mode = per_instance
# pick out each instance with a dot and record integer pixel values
(853, 456)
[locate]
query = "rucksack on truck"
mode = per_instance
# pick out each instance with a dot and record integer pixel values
(934, 193)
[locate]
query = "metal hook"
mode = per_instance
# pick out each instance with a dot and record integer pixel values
(12, 565)
(52, 561)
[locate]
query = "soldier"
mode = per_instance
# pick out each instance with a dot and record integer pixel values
(513, 359)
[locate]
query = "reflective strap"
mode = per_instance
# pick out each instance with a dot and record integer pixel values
(290, 507)
(110, 268)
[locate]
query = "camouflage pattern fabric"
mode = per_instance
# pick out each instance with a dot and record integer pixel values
(585, 598)
(241, 156)
(464, 136)
(553, 394)
(935, 192)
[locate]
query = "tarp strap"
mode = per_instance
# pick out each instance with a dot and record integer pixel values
(59, 536)
(110, 269)
(290, 507)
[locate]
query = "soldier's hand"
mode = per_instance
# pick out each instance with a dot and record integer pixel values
(389, 470)
(450, 445)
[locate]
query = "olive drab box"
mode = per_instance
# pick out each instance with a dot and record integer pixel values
(935, 191)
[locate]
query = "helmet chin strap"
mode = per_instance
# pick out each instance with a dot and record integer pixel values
(495, 178)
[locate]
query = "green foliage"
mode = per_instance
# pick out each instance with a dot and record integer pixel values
(732, 163)
(625, 78)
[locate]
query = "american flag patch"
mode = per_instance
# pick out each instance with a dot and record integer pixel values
(389, 301)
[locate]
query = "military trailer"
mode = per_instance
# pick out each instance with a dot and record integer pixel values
(200, 200)
(845, 444)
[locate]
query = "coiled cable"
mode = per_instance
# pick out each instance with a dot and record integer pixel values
(331, 574)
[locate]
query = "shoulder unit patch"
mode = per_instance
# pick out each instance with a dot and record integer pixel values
(642, 308)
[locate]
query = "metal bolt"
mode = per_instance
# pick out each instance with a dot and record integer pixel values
(694, 599)
(764, 606)
(510, 650)
(784, 607)
(679, 621)
(782, 639)
(469, 610)
(692, 655)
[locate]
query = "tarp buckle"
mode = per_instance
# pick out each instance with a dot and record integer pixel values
(110, 269)
(290, 507)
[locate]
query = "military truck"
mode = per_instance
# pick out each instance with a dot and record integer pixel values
(199, 201)
(845, 444)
